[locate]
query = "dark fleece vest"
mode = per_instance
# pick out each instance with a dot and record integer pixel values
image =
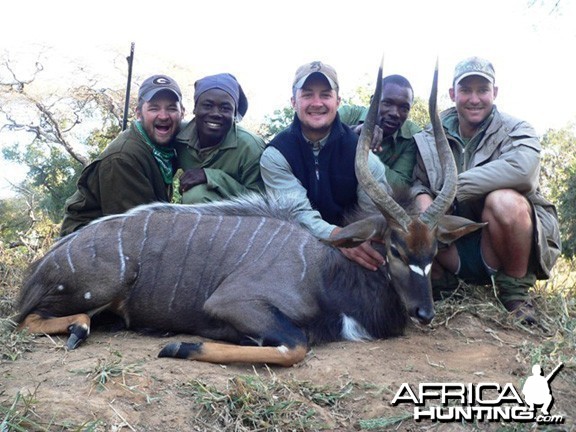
(334, 191)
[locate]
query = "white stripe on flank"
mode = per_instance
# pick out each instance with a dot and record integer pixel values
(69, 255)
(233, 232)
(121, 253)
(251, 241)
(303, 258)
(182, 266)
(145, 236)
(353, 331)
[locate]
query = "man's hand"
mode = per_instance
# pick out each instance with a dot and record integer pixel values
(365, 254)
(192, 178)
(376, 144)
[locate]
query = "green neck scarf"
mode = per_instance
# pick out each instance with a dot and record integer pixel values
(163, 155)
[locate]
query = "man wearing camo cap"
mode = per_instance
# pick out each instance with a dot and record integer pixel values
(498, 160)
(313, 160)
(138, 166)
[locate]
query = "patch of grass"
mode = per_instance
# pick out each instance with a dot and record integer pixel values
(13, 264)
(12, 343)
(18, 415)
(384, 422)
(251, 402)
(110, 369)
(555, 303)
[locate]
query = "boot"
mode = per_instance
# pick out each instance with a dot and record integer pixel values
(513, 294)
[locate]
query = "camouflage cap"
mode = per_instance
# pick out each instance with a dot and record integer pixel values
(474, 66)
(157, 83)
(304, 71)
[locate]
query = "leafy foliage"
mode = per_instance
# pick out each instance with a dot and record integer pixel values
(419, 112)
(54, 134)
(559, 181)
(273, 124)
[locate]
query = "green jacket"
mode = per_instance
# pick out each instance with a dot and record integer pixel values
(232, 168)
(352, 115)
(398, 151)
(399, 154)
(504, 154)
(124, 176)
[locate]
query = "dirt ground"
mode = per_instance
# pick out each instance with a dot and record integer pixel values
(148, 395)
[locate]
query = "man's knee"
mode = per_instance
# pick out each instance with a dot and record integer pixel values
(423, 201)
(507, 206)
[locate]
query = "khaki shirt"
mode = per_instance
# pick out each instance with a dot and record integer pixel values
(506, 154)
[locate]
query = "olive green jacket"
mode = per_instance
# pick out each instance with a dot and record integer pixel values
(232, 168)
(124, 176)
(504, 154)
(399, 154)
(398, 151)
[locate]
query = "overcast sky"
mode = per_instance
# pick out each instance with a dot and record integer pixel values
(263, 42)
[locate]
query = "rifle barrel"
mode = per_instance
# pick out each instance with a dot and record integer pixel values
(130, 60)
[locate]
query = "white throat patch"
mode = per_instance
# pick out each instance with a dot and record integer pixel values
(353, 331)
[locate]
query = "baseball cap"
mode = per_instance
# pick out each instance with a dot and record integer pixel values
(474, 66)
(304, 71)
(157, 83)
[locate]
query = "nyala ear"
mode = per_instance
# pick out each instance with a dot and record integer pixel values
(358, 232)
(451, 228)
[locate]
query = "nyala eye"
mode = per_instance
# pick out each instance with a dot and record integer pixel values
(395, 252)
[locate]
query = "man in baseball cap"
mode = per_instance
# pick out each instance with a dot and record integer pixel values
(313, 160)
(138, 166)
(474, 66)
(498, 161)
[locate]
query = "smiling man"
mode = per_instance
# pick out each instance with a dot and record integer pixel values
(138, 166)
(313, 160)
(393, 140)
(220, 159)
(498, 161)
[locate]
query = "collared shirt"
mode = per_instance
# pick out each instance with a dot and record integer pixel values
(399, 154)
(316, 147)
(468, 146)
(232, 168)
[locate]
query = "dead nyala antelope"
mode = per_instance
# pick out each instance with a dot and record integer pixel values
(244, 272)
